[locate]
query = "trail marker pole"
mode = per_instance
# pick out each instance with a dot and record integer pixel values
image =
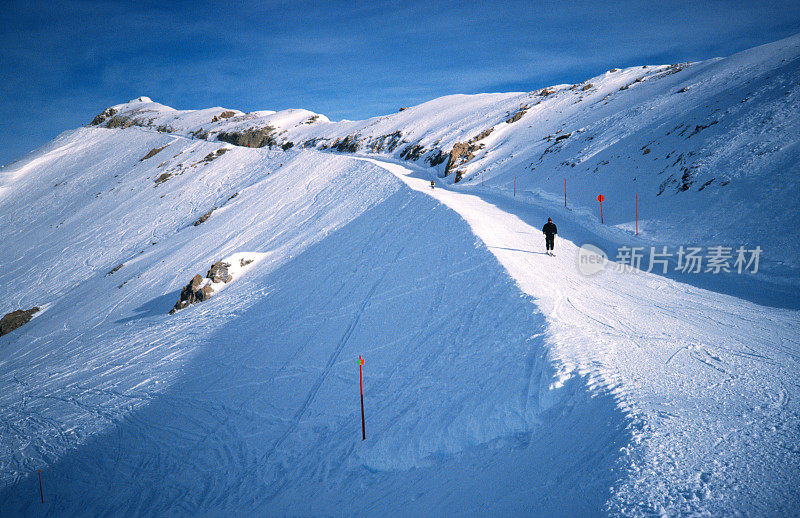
(565, 192)
(41, 491)
(515, 186)
(361, 382)
(600, 198)
(637, 214)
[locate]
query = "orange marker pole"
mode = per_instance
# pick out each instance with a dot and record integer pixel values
(637, 214)
(41, 491)
(565, 192)
(361, 382)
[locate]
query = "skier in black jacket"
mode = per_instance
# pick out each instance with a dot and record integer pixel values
(550, 232)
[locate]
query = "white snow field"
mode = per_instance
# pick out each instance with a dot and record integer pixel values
(497, 380)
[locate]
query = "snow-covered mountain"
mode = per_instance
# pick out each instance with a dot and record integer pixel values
(496, 379)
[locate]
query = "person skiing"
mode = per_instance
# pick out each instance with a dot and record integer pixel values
(550, 232)
(433, 184)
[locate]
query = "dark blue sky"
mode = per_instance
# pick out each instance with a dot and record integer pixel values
(62, 64)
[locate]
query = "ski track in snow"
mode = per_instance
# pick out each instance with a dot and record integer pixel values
(244, 403)
(718, 362)
(499, 380)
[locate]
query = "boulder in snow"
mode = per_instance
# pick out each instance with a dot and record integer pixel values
(15, 319)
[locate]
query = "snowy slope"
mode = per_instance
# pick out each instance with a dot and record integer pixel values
(711, 148)
(248, 401)
(497, 380)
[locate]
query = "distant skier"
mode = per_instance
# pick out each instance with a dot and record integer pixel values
(433, 184)
(550, 232)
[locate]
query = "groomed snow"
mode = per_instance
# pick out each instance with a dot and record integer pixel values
(498, 380)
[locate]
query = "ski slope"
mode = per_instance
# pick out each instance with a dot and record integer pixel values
(498, 380)
(713, 380)
(248, 402)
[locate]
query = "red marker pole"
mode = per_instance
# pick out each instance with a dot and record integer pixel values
(565, 192)
(41, 491)
(600, 198)
(637, 214)
(361, 382)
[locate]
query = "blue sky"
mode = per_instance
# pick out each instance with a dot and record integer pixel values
(61, 64)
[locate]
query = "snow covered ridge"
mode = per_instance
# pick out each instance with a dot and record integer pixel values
(709, 147)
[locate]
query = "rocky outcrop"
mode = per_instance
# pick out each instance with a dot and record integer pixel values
(153, 152)
(459, 154)
(104, 116)
(227, 114)
(202, 219)
(518, 114)
(201, 288)
(464, 152)
(212, 156)
(16, 319)
(349, 144)
(413, 152)
(219, 272)
(254, 137)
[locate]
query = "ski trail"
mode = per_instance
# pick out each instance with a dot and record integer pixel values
(625, 331)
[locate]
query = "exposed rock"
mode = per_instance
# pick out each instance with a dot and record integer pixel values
(105, 115)
(518, 115)
(413, 152)
(153, 152)
(204, 293)
(227, 114)
(163, 178)
(119, 121)
(385, 142)
(482, 135)
(586, 87)
(115, 269)
(190, 294)
(465, 151)
(200, 288)
(254, 137)
(287, 145)
(403, 108)
(436, 157)
(202, 219)
(219, 272)
(349, 144)
(212, 156)
(459, 154)
(16, 318)
(200, 134)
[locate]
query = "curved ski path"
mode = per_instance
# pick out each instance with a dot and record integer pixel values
(713, 380)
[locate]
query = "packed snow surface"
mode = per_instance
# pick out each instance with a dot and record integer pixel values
(497, 379)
